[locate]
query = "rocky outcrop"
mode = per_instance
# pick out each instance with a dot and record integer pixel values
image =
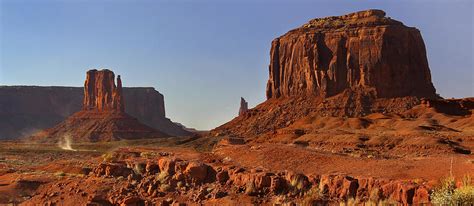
(27, 109)
(297, 187)
(102, 117)
(450, 106)
(244, 106)
(364, 50)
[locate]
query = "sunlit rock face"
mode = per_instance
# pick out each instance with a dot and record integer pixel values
(101, 93)
(360, 50)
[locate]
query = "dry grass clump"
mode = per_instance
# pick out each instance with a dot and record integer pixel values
(109, 157)
(448, 194)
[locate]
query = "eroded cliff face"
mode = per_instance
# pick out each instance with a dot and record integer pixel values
(101, 93)
(356, 51)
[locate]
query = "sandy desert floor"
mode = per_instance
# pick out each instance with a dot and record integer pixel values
(32, 174)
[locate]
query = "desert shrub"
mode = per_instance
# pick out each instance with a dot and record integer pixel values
(165, 187)
(109, 157)
(180, 184)
(443, 194)
(250, 189)
(163, 177)
(312, 196)
(60, 174)
(297, 185)
(447, 193)
(374, 195)
(139, 168)
(464, 195)
(147, 154)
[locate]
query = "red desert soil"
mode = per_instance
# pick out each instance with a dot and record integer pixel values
(277, 157)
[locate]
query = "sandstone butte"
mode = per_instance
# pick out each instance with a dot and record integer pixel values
(102, 117)
(363, 50)
(340, 66)
(100, 92)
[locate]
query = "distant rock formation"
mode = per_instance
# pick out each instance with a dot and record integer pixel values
(364, 50)
(100, 92)
(244, 106)
(25, 110)
(102, 117)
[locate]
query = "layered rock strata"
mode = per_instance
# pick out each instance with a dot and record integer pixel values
(365, 49)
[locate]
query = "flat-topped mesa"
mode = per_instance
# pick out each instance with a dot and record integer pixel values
(371, 17)
(101, 93)
(363, 50)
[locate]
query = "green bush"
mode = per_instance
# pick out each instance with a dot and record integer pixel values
(447, 193)
(464, 195)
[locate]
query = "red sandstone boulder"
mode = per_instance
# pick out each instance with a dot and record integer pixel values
(222, 176)
(422, 196)
(197, 172)
(167, 165)
(339, 186)
(112, 170)
(152, 168)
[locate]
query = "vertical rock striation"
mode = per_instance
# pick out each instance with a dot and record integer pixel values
(355, 51)
(101, 93)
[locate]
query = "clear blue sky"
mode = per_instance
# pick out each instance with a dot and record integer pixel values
(202, 55)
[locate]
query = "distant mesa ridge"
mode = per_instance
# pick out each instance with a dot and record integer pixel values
(103, 116)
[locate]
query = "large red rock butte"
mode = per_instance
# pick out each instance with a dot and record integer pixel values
(365, 49)
(341, 66)
(102, 117)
